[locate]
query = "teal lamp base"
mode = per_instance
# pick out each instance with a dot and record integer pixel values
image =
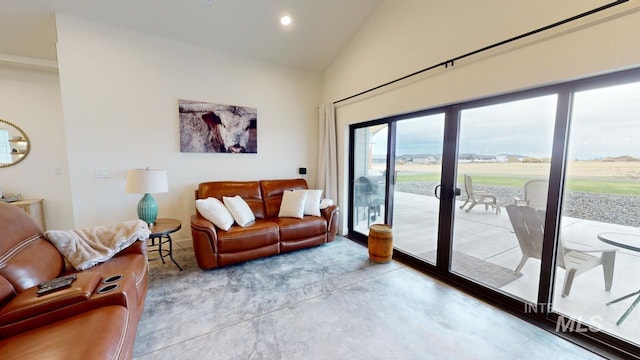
(148, 209)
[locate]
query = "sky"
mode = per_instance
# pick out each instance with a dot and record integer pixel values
(605, 122)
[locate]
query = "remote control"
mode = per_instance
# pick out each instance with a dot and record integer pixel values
(53, 282)
(58, 285)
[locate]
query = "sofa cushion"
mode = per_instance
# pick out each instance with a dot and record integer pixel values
(6, 291)
(22, 242)
(22, 271)
(293, 229)
(292, 204)
(239, 209)
(215, 211)
(312, 203)
(303, 243)
(261, 233)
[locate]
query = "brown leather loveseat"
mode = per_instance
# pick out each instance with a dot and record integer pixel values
(268, 235)
(95, 318)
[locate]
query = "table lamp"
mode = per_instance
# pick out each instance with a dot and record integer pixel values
(147, 181)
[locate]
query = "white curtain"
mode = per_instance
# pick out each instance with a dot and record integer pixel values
(327, 152)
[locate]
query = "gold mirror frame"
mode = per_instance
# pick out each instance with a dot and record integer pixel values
(23, 137)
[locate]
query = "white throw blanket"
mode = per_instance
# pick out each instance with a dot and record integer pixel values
(88, 247)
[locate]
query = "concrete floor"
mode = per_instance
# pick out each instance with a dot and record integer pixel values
(490, 237)
(327, 302)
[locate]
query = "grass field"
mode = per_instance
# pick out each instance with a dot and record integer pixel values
(621, 178)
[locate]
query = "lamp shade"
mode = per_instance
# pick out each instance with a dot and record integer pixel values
(144, 181)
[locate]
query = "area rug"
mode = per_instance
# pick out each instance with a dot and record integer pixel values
(183, 305)
(477, 269)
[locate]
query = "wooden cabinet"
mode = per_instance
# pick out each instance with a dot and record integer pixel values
(33, 207)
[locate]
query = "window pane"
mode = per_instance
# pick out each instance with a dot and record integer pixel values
(601, 201)
(370, 165)
(503, 167)
(418, 167)
(5, 147)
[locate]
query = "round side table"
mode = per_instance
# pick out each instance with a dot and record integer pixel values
(161, 234)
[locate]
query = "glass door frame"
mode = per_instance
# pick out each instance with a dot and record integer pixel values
(390, 176)
(544, 316)
(556, 184)
(352, 234)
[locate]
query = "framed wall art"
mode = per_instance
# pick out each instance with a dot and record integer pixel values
(209, 127)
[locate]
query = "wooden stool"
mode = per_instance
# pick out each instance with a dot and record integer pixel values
(380, 243)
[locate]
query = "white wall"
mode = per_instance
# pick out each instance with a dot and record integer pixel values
(405, 36)
(30, 99)
(120, 92)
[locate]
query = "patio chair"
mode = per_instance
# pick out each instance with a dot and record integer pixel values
(367, 198)
(478, 197)
(535, 194)
(528, 225)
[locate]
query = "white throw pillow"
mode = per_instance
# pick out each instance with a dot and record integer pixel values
(214, 210)
(292, 204)
(312, 203)
(239, 209)
(325, 203)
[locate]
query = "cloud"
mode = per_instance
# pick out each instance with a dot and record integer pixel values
(605, 122)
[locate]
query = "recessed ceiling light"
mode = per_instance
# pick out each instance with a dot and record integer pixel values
(285, 20)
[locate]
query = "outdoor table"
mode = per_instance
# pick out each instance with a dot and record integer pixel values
(629, 242)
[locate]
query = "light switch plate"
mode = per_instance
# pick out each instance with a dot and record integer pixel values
(102, 173)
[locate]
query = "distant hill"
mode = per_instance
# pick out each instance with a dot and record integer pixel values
(510, 157)
(517, 156)
(621, 158)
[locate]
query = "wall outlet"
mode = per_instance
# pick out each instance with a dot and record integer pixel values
(102, 173)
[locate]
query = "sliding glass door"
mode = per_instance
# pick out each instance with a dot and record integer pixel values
(600, 240)
(504, 156)
(410, 179)
(529, 199)
(418, 166)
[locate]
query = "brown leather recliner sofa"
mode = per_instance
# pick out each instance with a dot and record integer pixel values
(268, 235)
(95, 318)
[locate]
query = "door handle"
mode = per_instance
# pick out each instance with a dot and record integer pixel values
(438, 190)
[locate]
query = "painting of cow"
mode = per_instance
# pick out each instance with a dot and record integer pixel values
(209, 127)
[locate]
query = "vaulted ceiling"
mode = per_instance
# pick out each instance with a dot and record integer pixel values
(249, 28)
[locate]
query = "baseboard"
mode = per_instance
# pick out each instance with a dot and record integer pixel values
(186, 243)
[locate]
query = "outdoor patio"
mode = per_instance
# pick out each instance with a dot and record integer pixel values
(488, 236)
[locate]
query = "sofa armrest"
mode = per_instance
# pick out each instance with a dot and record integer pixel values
(28, 304)
(205, 241)
(28, 311)
(331, 213)
(199, 223)
(138, 247)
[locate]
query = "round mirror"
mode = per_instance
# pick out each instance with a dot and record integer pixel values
(14, 144)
